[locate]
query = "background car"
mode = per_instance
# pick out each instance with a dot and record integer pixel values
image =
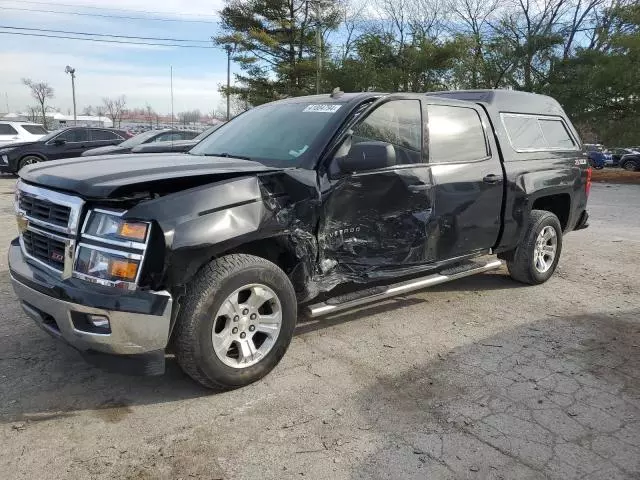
(65, 143)
(630, 161)
(151, 136)
(618, 153)
(12, 132)
(597, 157)
(174, 146)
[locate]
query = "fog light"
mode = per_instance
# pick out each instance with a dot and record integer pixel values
(99, 321)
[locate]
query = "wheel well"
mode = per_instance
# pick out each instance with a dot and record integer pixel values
(559, 205)
(273, 249)
(41, 157)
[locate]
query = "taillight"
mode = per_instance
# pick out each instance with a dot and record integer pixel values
(587, 188)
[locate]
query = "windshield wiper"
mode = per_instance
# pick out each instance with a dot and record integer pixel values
(226, 155)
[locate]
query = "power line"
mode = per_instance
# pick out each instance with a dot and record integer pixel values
(108, 8)
(104, 35)
(122, 17)
(108, 41)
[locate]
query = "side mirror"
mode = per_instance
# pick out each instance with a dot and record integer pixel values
(365, 156)
(59, 141)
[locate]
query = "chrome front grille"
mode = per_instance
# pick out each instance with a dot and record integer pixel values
(45, 249)
(44, 211)
(49, 223)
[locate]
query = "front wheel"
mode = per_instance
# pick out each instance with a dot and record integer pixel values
(28, 160)
(631, 165)
(537, 256)
(236, 322)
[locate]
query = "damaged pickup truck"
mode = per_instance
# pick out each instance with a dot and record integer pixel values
(313, 204)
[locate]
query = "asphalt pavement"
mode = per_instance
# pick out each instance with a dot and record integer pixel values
(482, 378)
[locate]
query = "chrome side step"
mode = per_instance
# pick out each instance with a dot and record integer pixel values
(326, 308)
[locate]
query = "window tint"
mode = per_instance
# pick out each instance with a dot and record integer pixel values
(102, 135)
(556, 134)
(398, 122)
(34, 129)
(168, 137)
(187, 135)
(528, 132)
(74, 135)
(6, 129)
(455, 134)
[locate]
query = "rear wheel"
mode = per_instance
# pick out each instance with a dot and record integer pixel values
(537, 256)
(28, 160)
(236, 322)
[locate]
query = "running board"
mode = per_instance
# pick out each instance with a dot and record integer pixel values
(328, 307)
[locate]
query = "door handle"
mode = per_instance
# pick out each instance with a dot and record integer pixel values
(492, 178)
(420, 187)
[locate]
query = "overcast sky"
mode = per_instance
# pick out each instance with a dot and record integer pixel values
(142, 73)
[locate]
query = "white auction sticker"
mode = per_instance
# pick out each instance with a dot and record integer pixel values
(323, 108)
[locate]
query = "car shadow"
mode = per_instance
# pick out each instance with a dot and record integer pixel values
(44, 378)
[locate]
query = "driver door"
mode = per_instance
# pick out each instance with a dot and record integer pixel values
(379, 219)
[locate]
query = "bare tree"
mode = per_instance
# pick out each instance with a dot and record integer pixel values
(115, 108)
(42, 92)
(88, 110)
(33, 113)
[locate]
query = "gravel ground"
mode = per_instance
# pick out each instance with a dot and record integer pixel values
(481, 378)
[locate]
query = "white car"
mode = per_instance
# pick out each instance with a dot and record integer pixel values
(14, 132)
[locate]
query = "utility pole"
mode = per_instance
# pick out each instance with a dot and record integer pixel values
(172, 117)
(6, 98)
(72, 72)
(318, 44)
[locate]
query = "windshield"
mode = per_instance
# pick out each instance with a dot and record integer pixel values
(276, 134)
(139, 139)
(207, 132)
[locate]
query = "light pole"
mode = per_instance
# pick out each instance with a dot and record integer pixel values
(72, 72)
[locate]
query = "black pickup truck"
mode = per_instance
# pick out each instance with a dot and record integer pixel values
(306, 205)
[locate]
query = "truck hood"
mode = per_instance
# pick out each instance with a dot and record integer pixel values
(109, 149)
(100, 177)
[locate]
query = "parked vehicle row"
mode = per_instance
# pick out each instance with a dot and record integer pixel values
(216, 252)
(627, 158)
(82, 141)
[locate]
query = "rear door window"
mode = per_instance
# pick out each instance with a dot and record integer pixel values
(6, 129)
(456, 134)
(103, 135)
(35, 129)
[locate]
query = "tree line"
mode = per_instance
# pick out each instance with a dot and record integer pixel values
(585, 53)
(115, 109)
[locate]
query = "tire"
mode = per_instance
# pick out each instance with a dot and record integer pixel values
(208, 314)
(525, 266)
(631, 165)
(28, 160)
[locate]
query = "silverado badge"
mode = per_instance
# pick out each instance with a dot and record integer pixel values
(23, 223)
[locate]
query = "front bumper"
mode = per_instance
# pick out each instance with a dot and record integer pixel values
(140, 321)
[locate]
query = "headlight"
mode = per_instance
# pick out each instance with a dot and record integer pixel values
(109, 226)
(111, 249)
(110, 266)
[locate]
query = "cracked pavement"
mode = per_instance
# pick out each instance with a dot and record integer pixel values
(481, 378)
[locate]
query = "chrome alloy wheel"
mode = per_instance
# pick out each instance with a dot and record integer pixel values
(545, 250)
(247, 326)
